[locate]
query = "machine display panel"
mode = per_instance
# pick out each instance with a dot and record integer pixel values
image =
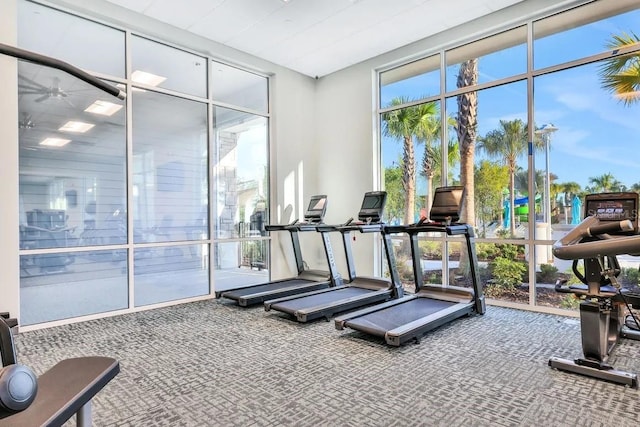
(447, 203)
(316, 209)
(372, 206)
(613, 207)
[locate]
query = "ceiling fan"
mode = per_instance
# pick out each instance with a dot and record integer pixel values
(31, 87)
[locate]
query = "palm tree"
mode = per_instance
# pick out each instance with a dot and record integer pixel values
(509, 142)
(621, 75)
(401, 124)
(604, 183)
(467, 129)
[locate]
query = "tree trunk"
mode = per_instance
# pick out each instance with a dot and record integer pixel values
(409, 179)
(467, 128)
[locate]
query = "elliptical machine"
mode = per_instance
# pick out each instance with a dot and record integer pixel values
(610, 228)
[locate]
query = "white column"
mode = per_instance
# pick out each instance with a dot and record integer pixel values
(9, 235)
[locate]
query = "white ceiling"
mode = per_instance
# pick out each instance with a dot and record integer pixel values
(315, 37)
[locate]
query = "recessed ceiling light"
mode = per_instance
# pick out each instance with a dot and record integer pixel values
(55, 142)
(147, 78)
(104, 108)
(73, 126)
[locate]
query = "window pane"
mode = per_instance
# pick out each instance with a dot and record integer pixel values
(240, 264)
(71, 39)
(73, 191)
(170, 187)
(238, 87)
(240, 165)
(170, 273)
(65, 285)
(155, 64)
(417, 80)
(412, 160)
(586, 127)
(500, 159)
(499, 56)
(581, 32)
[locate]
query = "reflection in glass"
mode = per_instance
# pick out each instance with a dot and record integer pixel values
(170, 184)
(234, 86)
(241, 174)
(240, 263)
(155, 64)
(70, 284)
(73, 194)
(167, 273)
(71, 39)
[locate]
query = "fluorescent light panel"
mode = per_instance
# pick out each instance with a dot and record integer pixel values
(78, 127)
(147, 78)
(55, 142)
(103, 108)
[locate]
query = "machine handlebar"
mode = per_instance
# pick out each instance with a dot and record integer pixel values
(572, 246)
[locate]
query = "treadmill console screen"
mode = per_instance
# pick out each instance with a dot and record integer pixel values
(447, 204)
(316, 209)
(372, 206)
(613, 207)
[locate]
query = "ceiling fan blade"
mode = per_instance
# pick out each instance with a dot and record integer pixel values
(33, 83)
(33, 88)
(31, 92)
(43, 98)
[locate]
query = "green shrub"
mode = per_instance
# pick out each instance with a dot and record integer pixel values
(548, 274)
(507, 273)
(486, 251)
(629, 276)
(430, 249)
(570, 301)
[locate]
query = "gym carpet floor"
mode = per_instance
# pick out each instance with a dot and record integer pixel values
(215, 364)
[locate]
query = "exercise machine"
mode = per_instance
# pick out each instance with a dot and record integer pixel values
(410, 317)
(359, 291)
(610, 228)
(306, 280)
(63, 391)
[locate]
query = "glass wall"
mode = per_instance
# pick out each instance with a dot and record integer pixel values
(115, 196)
(529, 139)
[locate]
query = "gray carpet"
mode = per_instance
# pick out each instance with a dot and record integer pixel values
(213, 364)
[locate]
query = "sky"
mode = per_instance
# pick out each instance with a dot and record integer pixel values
(596, 132)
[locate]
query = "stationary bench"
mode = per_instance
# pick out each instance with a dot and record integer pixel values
(64, 390)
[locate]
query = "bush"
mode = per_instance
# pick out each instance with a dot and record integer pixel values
(548, 274)
(430, 249)
(570, 301)
(507, 274)
(486, 251)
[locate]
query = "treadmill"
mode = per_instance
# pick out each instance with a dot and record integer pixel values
(306, 280)
(360, 291)
(412, 316)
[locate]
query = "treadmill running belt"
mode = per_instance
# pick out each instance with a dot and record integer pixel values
(319, 299)
(381, 321)
(250, 290)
